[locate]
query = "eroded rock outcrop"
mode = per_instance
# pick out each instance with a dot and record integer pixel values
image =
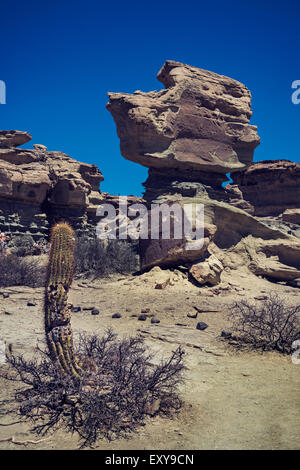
(189, 136)
(200, 122)
(38, 187)
(266, 188)
(291, 215)
(13, 138)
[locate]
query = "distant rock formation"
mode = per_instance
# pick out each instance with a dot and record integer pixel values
(189, 136)
(266, 188)
(38, 187)
(200, 122)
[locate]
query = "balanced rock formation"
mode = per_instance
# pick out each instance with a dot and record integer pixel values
(38, 188)
(189, 136)
(200, 122)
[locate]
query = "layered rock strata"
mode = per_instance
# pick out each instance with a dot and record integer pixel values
(199, 122)
(267, 188)
(38, 188)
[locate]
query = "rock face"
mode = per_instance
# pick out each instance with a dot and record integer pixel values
(189, 136)
(291, 215)
(200, 122)
(38, 187)
(10, 139)
(267, 188)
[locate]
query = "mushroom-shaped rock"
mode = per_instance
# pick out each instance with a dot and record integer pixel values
(200, 122)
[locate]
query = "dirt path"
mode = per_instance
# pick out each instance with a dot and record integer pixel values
(232, 400)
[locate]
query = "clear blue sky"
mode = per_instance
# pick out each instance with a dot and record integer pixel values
(60, 58)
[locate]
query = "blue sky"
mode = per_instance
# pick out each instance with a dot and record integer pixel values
(60, 58)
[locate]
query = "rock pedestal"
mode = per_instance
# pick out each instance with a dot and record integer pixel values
(266, 188)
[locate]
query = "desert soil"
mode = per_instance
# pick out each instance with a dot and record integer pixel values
(232, 399)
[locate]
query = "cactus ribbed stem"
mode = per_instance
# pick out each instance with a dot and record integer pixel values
(57, 313)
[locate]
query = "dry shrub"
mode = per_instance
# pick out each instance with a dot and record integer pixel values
(22, 245)
(271, 324)
(16, 271)
(98, 258)
(121, 387)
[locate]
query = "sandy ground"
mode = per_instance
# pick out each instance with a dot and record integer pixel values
(232, 400)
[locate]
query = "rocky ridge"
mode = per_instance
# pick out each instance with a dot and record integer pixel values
(190, 136)
(269, 190)
(38, 187)
(199, 122)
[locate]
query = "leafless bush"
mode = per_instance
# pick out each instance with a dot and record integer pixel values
(16, 271)
(119, 389)
(21, 245)
(271, 324)
(99, 258)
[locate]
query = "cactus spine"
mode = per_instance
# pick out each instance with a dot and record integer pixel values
(57, 313)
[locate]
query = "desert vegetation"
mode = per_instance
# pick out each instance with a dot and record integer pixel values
(117, 390)
(271, 324)
(101, 387)
(21, 264)
(18, 271)
(98, 258)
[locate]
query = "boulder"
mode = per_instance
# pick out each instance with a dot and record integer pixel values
(41, 148)
(161, 278)
(208, 271)
(275, 259)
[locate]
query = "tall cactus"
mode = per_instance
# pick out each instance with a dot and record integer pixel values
(57, 313)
